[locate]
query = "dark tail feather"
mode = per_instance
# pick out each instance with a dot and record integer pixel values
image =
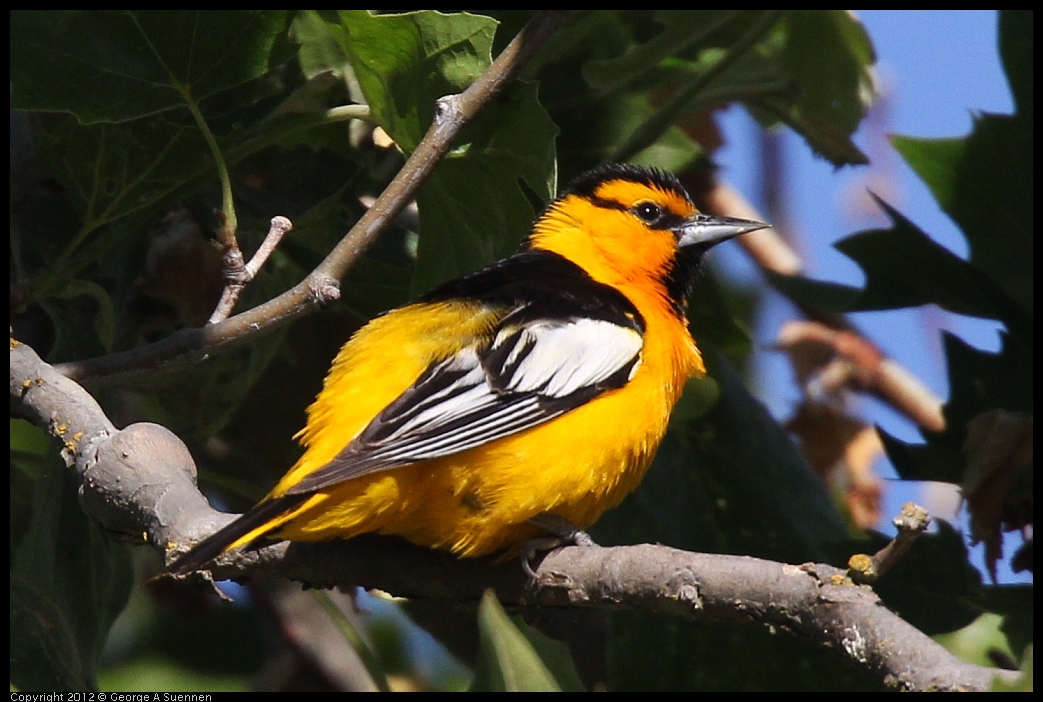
(217, 543)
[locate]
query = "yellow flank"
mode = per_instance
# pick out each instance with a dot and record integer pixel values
(564, 361)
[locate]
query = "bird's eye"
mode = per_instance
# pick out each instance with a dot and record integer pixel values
(647, 211)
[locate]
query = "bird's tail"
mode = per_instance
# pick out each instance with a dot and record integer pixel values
(248, 530)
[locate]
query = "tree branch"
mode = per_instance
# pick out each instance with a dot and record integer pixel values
(322, 286)
(141, 480)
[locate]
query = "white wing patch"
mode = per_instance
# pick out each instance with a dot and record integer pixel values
(557, 358)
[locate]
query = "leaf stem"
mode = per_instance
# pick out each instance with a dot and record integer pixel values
(226, 232)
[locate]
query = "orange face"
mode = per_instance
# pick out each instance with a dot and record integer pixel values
(607, 231)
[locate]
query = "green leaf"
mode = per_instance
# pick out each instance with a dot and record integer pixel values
(150, 673)
(809, 71)
(980, 381)
(320, 51)
(906, 268)
(1023, 683)
(113, 66)
(472, 209)
(674, 150)
(979, 641)
(404, 63)
(829, 54)
(683, 32)
(984, 182)
(933, 586)
(1016, 39)
(113, 170)
(507, 661)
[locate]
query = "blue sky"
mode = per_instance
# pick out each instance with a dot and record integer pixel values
(936, 69)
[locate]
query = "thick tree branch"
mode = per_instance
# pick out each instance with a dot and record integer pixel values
(141, 480)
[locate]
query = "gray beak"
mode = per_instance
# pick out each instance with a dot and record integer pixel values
(705, 230)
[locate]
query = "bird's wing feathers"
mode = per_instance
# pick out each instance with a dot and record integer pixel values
(528, 374)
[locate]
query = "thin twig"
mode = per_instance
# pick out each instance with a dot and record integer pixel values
(322, 286)
(912, 521)
(238, 275)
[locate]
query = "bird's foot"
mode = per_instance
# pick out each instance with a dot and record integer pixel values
(561, 532)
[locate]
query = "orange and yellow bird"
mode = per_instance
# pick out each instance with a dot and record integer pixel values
(514, 403)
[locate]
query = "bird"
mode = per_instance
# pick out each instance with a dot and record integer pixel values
(511, 406)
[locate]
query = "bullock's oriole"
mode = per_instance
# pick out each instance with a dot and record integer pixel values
(528, 397)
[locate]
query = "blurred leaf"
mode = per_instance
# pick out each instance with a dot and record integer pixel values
(827, 57)
(981, 381)
(320, 51)
(44, 655)
(997, 484)
(905, 268)
(1017, 605)
(809, 71)
(816, 294)
(978, 641)
(76, 322)
(373, 287)
(113, 66)
(984, 180)
(106, 315)
(148, 674)
(719, 314)
(507, 661)
(684, 32)
(931, 461)
(69, 581)
(1023, 684)
(674, 150)
(829, 54)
